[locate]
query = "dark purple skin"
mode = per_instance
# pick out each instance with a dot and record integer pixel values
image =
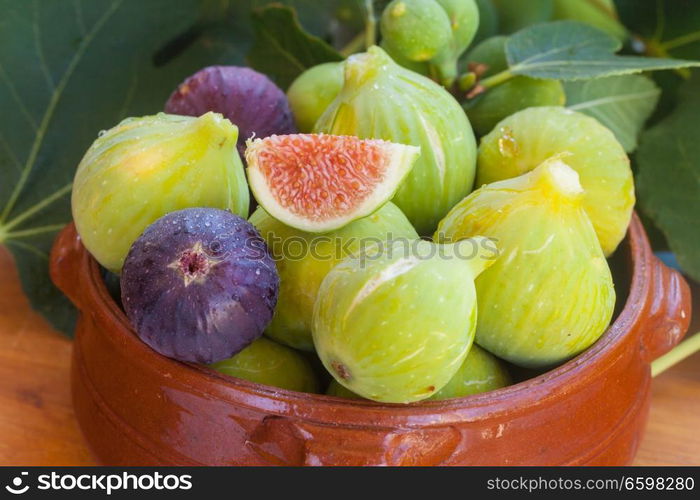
(249, 99)
(199, 285)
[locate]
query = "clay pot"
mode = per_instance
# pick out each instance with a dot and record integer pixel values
(136, 407)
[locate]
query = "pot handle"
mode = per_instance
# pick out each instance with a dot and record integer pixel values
(669, 313)
(280, 440)
(64, 263)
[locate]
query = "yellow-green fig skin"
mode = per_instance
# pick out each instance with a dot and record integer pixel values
(303, 260)
(312, 91)
(520, 92)
(146, 167)
(524, 140)
(382, 100)
(480, 372)
(395, 323)
(550, 294)
(269, 363)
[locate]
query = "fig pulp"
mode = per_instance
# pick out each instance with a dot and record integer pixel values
(147, 167)
(318, 183)
(530, 137)
(249, 99)
(303, 260)
(382, 100)
(550, 294)
(199, 285)
(395, 323)
(268, 363)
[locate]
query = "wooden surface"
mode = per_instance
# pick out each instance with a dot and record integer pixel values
(37, 425)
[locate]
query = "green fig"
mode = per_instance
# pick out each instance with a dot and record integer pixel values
(525, 139)
(395, 323)
(303, 260)
(382, 100)
(480, 372)
(147, 167)
(312, 91)
(491, 53)
(520, 92)
(429, 36)
(266, 362)
(550, 293)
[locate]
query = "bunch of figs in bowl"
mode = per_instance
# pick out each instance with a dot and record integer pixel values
(348, 237)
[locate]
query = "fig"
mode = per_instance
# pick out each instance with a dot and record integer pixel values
(268, 363)
(513, 15)
(550, 294)
(199, 285)
(429, 36)
(417, 29)
(303, 260)
(480, 372)
(311, 93)
(526, 139)
(491, 53)
(600, 14)
(395, 322)
(146, 167)
(249, 99)
(318, 183)
(518, 93)
(382, 100)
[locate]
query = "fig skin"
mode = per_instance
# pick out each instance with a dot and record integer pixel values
(199, 285)
(301, 277)
(313, 91)
(146, 167)
(480, 372)
(526, 139)
(249, 99)
(269, 363)
(549, 295)
(395, 322)
(518, 93)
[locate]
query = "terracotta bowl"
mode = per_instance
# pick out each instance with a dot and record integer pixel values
(136, 407)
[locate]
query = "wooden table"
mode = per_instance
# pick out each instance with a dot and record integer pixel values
(37, 425)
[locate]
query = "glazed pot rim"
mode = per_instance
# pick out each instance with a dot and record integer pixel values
(529, 392)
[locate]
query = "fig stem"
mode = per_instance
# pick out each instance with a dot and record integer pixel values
(688, 347)
(496, 79)
(370, 25)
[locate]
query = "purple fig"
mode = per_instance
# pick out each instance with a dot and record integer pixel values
(199, 285)
(249, 99)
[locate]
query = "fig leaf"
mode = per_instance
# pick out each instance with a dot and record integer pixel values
(570, 50)
(68, 70)
(668, 181)
(282, 49)
(621, 103)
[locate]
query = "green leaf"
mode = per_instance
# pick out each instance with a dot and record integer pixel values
(68, 70)
(569, 50)
(282, 49)
(668, 180)
(621, 103)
